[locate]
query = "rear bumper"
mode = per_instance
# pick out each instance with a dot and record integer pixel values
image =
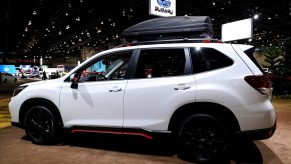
(258, 134)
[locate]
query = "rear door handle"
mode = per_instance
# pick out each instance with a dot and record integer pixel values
(115, 89)
(182, 87)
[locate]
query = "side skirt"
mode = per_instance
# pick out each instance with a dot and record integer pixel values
(150, 135)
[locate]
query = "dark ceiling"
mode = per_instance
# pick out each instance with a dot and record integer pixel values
(64, 27)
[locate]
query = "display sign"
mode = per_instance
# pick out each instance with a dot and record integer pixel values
(237, 30)
(163, 8)
(8, 68)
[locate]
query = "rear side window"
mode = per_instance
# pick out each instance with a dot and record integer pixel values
(160, 63)
(207, 59)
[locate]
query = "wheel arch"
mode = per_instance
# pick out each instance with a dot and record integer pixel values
(213, 109)
(40, 102)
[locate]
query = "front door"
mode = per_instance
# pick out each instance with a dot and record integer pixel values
(98, 100)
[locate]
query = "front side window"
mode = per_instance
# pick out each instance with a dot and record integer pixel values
(110, 67)
(207, 59)
(160, 63)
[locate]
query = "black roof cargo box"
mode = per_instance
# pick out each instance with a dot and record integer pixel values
(165, 28)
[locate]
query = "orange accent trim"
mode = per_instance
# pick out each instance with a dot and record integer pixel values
(111, 132)
(206, 41)
(139, 134)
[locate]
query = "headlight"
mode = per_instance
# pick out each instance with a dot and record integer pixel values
(19, 89)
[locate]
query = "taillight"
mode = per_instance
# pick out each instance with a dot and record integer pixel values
(262, 83)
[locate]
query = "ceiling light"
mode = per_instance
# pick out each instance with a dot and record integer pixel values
(78, 19)
(256, 16)
(67, 14)
(67, 27)
(29, 22)
(26, 29)
(34, 12)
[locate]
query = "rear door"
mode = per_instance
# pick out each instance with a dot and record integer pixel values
(161, 82)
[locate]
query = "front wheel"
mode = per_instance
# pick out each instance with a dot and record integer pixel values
(202, 139)
(40, 125)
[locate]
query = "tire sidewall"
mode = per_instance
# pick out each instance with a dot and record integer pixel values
(211, 120)
(48, 139)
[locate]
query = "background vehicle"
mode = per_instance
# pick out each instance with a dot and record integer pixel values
(8, 77)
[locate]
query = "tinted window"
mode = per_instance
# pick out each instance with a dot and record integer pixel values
(206, 59)
(160, 63)
(110, 67)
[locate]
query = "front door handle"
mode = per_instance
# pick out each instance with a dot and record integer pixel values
(115, 89)
(182, 87)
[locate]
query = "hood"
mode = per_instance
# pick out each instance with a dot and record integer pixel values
(42, 82)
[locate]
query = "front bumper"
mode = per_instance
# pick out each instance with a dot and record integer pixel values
(258, 134)
(16, 124)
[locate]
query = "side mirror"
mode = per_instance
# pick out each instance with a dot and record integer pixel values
(75, 81)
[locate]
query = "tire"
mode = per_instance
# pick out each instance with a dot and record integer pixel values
(15, 80)
(40, 125)
(203, 139)
(5, 80)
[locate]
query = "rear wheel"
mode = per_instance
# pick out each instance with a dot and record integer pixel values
(40, 125)
(202, 139)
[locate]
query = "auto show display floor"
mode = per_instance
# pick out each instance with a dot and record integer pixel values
(15, 147)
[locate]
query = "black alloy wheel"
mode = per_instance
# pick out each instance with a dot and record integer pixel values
(202, 139)
(39, 125)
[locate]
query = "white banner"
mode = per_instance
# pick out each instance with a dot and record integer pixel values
(242, 29)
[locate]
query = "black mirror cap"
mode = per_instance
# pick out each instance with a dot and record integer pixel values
(75, 82)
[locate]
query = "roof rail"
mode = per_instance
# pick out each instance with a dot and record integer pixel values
(185, 40)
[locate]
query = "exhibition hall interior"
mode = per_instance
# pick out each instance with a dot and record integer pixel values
(46, 47)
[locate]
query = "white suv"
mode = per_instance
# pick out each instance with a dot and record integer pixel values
(201, 94)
